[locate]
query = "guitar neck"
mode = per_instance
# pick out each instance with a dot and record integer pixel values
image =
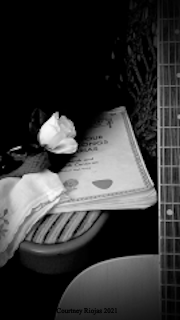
(169, 154)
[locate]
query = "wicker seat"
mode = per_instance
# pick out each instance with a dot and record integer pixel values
(66, 254)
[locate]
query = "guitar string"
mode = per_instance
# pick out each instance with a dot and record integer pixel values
(173, 193)
(170, 142)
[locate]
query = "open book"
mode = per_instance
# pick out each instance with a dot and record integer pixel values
(107, 171)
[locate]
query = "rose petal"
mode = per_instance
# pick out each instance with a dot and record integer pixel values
(48, 130)
(67, 126)
(67, 145)
(55, 140)
(53, 121)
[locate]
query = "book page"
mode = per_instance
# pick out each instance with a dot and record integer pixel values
(108, 161)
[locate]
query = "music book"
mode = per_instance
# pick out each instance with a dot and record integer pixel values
(108, 170)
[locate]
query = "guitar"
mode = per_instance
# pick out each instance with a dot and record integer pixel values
(145, 287)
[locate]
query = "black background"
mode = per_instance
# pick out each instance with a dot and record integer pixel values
(58, 61)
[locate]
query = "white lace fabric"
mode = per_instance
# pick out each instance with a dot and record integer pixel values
(23, 201)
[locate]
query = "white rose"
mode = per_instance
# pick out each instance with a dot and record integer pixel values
(57, 134)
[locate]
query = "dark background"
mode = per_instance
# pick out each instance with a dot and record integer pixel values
(59, 63)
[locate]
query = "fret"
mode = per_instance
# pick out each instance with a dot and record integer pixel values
(169, 258)
(169, 185)
(170, 292)
(168, 316)
(171, 230)
(170, 300)
(176, 286)
(166, 65)
(164, 46)
(165, 166)
(170, 262)
(163, 19)
(171, 270)
(171, 278)
(171, 307)
(166, 220)
(171, 238)
(168, 30)
(169, 203)
(169, 245)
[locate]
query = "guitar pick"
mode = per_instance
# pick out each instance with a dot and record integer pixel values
(103, 184)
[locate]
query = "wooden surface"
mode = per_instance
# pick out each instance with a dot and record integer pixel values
(120, 288)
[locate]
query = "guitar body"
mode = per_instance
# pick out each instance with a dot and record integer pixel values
(121, 288)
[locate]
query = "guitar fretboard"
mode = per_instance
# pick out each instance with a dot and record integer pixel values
(169, 154)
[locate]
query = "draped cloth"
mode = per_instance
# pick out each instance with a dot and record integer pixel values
(23, 202)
